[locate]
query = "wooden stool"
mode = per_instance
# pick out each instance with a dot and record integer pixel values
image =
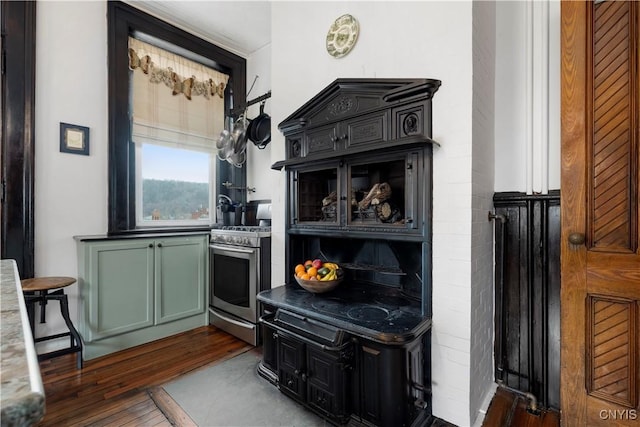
(37, 291)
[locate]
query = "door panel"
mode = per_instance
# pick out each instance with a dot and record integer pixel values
(613, 213)
(600, 291)
(180, 269)
(120, 288)
(612, 337)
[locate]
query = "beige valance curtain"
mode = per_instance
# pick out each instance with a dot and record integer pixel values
(176, 102)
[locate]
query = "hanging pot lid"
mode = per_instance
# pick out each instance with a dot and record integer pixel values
(239, 134)
(237, 159)
(227, 148)
(223, 139)
(259, 131)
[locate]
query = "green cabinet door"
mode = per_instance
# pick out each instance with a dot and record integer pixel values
(120, 288)
(180, 277)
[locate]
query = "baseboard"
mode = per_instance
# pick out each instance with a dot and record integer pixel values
(484, 407)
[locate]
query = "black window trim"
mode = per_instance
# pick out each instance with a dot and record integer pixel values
(124, 20)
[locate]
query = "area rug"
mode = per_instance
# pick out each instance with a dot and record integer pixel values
(232, 394)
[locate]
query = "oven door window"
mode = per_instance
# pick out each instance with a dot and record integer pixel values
(231, 278)
(235, 278)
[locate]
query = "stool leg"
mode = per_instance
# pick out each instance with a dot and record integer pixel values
(30, 302)
(43, 305)
(64, 307)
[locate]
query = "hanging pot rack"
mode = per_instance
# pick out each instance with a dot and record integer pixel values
(235, 111)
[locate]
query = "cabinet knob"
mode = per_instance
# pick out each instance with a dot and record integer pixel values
(150, 245)
(576, 238)
(304, 377)
(159, 245)
(290, 383)
(297, 372)
(275, 335)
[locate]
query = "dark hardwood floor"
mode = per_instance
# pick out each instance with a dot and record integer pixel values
(123, 389)
(509, 409)
(116, 390)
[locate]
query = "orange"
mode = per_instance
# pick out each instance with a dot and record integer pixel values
(312, 271)
(300, 268)
(305, 276)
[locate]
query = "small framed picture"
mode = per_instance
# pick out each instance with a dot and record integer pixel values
(74, 139)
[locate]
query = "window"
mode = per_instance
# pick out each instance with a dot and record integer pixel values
(173, 186)
(177, 113)
(160, 176)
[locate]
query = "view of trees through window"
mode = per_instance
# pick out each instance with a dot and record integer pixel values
(175, 183)
(174, 200)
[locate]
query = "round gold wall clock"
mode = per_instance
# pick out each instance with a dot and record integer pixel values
(342, 36)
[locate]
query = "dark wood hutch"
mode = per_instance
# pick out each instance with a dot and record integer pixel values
(359, 193)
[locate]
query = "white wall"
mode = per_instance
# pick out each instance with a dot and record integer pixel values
(481, 309)
(527, 91)
(259, 173)
(70, 190)
(409, 39)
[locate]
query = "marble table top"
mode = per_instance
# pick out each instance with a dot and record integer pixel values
(21, 392)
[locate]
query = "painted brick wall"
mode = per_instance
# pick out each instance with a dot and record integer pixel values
(483, 119)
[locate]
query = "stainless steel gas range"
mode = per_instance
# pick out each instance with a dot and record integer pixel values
(240, 267)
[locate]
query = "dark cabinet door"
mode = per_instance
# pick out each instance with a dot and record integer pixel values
(326, 383)
(291, 365)
(269, 348)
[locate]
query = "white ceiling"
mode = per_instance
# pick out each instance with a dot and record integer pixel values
(240, 26)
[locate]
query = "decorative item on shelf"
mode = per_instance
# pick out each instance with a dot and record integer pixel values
(330, 203)
(330, 199)
(330, 207)
(342, 36)
(74, 139)
(379, 199)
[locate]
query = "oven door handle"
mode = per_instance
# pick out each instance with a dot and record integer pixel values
(267, 320)
(232, 249)
(228, 319)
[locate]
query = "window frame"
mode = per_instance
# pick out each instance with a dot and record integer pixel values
(124, 20)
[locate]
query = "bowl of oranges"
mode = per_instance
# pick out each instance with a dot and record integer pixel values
(318, 276)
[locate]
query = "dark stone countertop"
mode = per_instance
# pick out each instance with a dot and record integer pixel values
(378, 313)
(148, 234)
(21, 390)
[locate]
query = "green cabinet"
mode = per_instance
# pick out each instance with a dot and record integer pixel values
(136, 290)
(118, 291)
(180, 278)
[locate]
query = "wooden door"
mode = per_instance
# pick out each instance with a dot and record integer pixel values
(600, 290)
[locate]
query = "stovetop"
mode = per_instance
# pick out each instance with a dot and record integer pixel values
(379, 313)
(241, 228)
(240, 235)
